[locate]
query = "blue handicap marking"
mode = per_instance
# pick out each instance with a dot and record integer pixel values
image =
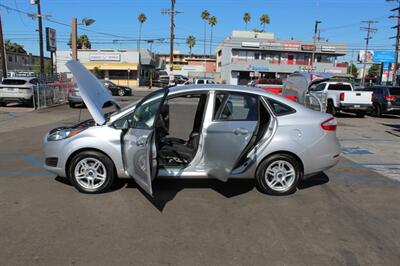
(355, 151)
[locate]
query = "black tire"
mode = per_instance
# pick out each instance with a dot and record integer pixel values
(89, 156)
(330, 108)
(360, 114)
(72, 105)
(261, 182)
(377, 111)
(3, 104)
(121, 92)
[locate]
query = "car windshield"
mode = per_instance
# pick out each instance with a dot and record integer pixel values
(339, 87)
(13, 82)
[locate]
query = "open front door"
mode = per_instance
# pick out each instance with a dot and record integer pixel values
(139, 142)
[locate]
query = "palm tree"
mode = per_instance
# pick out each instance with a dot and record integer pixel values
(205, 15)
(212, 21)
(264, 20)
(141, 18)
(191, 42)
(84, 42)
(246, 18)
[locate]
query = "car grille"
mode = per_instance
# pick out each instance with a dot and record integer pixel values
(51, 161)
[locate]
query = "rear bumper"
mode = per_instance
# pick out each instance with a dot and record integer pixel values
(354, 107)
(75, 99)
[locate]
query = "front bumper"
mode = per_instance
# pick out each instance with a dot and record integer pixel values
(52, 150)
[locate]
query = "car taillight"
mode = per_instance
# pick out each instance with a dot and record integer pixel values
(390, 98)
(341, 96)
(71, 90)
(329, 124)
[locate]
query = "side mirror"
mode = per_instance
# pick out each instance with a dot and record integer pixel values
(127, 124)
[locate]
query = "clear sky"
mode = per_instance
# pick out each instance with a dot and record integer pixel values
(117, 26)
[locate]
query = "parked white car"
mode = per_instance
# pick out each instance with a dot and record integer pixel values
(203, 81)
(341, 96)
(18, 89)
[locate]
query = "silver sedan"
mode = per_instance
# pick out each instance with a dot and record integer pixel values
(235, 132)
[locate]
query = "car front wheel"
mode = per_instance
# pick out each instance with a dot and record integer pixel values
(278, 175)
(121, 92)
(91, 172)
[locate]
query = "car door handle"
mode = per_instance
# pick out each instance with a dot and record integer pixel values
(241, 131)
(141, 141)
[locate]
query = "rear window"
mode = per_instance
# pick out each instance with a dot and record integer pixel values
(13, 82)
(339, 87)
(280, 108)
(394, 91)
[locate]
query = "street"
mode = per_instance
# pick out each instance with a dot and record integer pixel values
(349, 215)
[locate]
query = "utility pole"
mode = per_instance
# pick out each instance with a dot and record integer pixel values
(74, 39)
(3, 51)
(172, 13)
(317, 22)
(369, 31)
(396, 51)
(39, 15)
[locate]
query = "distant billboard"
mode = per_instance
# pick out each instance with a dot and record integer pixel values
(374, 56)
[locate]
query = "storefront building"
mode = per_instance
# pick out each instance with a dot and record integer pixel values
(247, 55)
(122, 67)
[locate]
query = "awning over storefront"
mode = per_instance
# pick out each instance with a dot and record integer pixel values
(110, 66)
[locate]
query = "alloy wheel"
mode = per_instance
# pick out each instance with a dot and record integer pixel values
(90, 173)
(280, 175)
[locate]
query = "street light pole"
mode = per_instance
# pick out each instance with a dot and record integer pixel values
(314, 44)
(39, 15)
(3, 52)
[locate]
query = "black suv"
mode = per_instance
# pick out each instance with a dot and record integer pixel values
(116, 89)
(385, 99)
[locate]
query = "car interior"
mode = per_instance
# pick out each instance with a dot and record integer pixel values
(175, 149)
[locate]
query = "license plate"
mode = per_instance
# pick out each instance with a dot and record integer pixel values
(357, 106)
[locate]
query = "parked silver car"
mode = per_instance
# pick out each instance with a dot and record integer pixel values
(237, 132)
(19, 89)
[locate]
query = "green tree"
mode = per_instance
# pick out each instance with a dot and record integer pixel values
(374, 70)
(352, 70)
(264, 20)
(82, 42)
(142, 19)
(191, 42)
(246, 18)
(14, 47)
(205, 15)
(212, 21)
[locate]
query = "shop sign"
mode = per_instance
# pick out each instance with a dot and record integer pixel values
(272, 44)
(251, 44)
(104, 57)
(328, 48)
(258, 68)
(308, 47)
(307, 68)
(292, 46)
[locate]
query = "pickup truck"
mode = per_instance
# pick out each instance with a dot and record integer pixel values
(340, 96)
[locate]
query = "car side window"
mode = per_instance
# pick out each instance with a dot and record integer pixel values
(236, 107)
(280, 108)
(320, 87)
(200, 81)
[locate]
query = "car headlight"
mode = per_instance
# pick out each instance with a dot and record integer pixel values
(63, 134)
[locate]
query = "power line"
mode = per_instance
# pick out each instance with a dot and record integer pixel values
(369, 31)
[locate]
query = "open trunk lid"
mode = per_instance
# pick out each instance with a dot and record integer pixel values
(93, 93)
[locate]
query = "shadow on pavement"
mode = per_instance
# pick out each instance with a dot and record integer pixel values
(314, 180)
(165, 190)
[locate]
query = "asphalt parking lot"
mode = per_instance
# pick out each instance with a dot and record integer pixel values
(349, 215)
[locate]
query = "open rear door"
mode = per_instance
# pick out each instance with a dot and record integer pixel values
(139, 149)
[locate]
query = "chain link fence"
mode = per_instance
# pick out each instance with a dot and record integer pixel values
(51, 94)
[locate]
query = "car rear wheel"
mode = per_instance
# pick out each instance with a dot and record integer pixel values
(377, 111)
(360, 114)
(72, 105)
(91, 172)
(121, 92)
(278, 175)
(330, 109)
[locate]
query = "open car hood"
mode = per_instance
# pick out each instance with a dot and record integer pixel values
(93, 93)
